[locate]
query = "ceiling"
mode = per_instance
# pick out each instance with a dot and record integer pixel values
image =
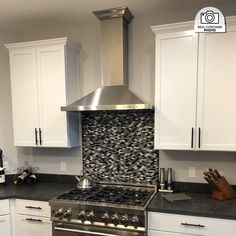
(32, 14)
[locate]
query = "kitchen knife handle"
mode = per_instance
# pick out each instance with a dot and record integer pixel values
(40, 136)
(192, 137)
(36, 136)
(199, 137)
(217, 173)
(193, 225)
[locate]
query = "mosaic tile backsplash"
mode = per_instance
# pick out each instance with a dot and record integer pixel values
(118, 146)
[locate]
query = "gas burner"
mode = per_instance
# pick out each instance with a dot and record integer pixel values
(109, 194)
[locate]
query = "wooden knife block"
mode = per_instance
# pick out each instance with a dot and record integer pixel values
(224, 190)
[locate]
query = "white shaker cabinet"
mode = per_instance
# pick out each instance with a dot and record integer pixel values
(32, 218)
(163, 224)
(37, 226)
(162, 233)
(5, 225)
(44, 77)
(195, 88)
(5, 222)
(176, 71)
(217, 90)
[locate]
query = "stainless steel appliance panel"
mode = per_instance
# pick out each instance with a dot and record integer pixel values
(64, 229)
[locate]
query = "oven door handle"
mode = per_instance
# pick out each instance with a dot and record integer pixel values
(83, 231)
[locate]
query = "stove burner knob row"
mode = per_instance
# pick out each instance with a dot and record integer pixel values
(59, 212)
(124, 220)
(134, 221)
(68, 213)
(82, 216)
(105, 218)
(90, 216)
(115, 219)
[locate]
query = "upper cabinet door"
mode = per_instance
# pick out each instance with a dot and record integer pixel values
(175, 93)
(51, 83)
(44, 77)
(24, 96)
(217, 91)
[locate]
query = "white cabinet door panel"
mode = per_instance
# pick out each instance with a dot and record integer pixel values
(5, 225)
(44, 77)
(31, 207)
(24, 96)
(176, 73)
(51, 74)
(190, 225)
(36, 226)
(163, 233)
(217, 91)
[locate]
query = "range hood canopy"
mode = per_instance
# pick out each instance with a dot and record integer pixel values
(114, 93)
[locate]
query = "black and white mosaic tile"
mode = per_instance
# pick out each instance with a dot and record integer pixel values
(118, 146)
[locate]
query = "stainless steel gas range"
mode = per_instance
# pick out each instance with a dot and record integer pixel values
(106, 209)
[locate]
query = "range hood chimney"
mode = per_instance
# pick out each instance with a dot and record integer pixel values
(114, 93)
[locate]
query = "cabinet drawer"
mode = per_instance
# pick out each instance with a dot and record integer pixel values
(163, 233)
(190, 224)
(34, 208)
(5, 225)
(4, 207)
(33, 226)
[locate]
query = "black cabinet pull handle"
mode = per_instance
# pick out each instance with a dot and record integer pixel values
(199, 137)
(32, 207)
(193, 225)
(31, 219)
(36, 136)
(192, 138)
(40, 136)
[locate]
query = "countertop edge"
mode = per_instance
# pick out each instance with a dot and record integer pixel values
(177, 212)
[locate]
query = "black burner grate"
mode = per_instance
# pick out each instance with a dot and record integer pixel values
(109, 194)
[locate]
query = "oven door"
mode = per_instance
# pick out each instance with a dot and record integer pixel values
(64, 229)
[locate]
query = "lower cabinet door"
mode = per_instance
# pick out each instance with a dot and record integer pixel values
(33, 226)
(162, 233)
(5, 225)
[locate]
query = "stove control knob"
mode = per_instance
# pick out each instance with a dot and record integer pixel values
(90, 216)
(115, 219)
(59, 212)
(67, 213)
(134, 221)
(124, 220)
(82, 216)
(105, 218)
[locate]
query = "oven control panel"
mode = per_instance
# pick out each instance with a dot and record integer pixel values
(107, 217)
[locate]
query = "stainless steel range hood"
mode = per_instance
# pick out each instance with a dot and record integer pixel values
(114, 93)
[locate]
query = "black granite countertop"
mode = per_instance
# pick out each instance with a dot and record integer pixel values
(201, 205)
(41, 191)
(51, 186)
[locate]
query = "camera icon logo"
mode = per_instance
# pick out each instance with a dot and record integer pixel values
(209, 17)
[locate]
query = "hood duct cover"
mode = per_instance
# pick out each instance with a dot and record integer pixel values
(114, 94)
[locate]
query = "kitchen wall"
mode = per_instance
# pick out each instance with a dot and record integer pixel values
(141, 71)
(181, 161)
(6, 129)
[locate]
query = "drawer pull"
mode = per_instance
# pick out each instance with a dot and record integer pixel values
(194, 225)
(32, 207)
(31, 219)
